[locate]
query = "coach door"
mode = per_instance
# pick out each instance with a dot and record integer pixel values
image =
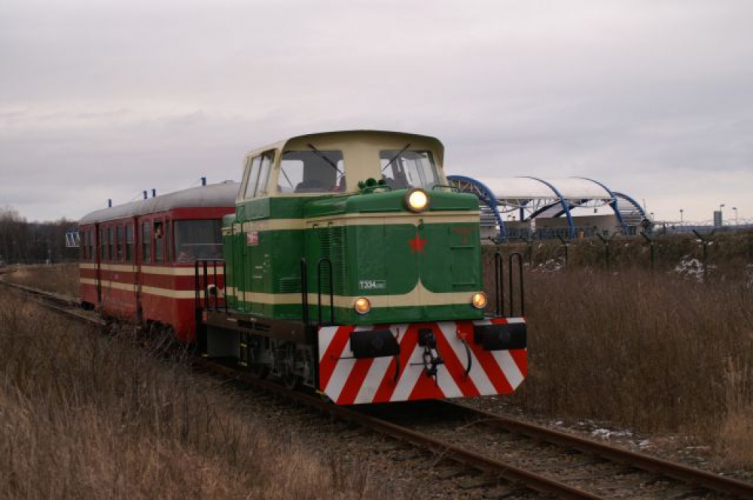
(131, 259)
(144, 230)
(98, 231)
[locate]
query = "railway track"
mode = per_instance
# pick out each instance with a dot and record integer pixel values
(505, 450)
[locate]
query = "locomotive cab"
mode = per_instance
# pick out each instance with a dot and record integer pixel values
(349, 251)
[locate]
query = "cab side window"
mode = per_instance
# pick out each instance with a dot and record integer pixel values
(258, 175)
(266, 165)
(253, 177)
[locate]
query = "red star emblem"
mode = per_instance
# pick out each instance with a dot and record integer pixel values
(417, 244)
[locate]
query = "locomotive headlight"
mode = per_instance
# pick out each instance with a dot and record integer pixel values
(479, 300)
(417, 200)
(362, 305)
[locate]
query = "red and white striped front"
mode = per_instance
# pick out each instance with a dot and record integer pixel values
(346, 380)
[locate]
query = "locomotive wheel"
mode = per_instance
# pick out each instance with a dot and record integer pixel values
(290, 381)
(259, 370)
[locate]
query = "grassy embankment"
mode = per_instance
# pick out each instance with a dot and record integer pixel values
(58, 278)
(659, 351)
(84, 415)
(655, 351)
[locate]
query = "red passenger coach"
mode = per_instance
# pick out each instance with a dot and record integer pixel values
(137, 259)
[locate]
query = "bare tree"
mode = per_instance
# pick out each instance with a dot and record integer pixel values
(33, 242)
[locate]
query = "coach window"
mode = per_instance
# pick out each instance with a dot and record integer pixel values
(102, 245)
(312, 171)
(168, 241)
(198, 239)
(89, 236)
(111, 255)
(121, 243)
(129, 243)
(253, 177)
(83, 248)
(159, 241)
(146, 242)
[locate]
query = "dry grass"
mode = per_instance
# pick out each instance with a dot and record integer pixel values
(58, 278)
(736, 436)
(652, 351)
(88, 416)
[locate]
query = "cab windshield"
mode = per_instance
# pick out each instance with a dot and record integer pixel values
(409, 169)
(311, 171)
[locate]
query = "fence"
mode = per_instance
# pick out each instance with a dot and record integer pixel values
(700, 253)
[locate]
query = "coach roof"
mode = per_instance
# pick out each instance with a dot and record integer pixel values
(213, 195)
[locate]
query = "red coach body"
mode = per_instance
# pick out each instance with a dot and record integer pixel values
(137, 259)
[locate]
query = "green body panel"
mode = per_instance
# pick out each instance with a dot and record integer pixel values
(372, 253)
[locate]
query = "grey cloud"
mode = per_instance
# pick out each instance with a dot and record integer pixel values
(113, 98)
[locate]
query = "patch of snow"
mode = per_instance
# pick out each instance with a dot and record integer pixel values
(692, 268)
(606, 433)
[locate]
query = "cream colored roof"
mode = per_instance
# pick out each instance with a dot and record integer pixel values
(360, 149)
(356, 138)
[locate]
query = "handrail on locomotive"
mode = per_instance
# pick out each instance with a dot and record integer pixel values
(209, 294)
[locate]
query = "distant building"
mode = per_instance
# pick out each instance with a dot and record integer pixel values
(528, 207)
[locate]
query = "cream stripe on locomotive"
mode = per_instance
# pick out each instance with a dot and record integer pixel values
(160, 270)
(150, 290)
(419, 296)
(364, 219)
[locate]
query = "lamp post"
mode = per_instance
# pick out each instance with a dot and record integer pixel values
(681, 216)
(736, 222)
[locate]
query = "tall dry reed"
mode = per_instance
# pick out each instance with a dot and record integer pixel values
(657, 352)
(62, 279)
(87, 416)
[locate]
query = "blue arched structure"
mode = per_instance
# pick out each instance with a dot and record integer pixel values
(612, 203)
(565, 205)
(628, 212)
(486, 196)
(631, 201)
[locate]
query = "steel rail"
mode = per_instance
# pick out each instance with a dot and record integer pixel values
(683, 473)
(509, 472)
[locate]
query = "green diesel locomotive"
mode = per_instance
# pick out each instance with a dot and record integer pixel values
(353, 267)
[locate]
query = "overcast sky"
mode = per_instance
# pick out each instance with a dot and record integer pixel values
(103, 99)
